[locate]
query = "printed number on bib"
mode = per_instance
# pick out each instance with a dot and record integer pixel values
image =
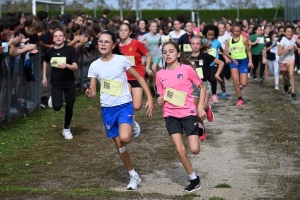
(55, 61)
(236, 49)
(175, 97)
(199, 72)
(212, 52)
(187, 48)
(110, 87)
(131, 59)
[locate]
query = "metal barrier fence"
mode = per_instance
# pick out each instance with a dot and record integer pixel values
(291, 10)
(19, 85)
(21, 89)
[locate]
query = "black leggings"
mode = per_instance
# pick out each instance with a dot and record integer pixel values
(57, 100)
(225, 73)
(257, 59)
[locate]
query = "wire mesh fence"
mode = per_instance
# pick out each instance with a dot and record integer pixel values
(291, 10)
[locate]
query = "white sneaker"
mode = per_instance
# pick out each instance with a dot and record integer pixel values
(136, 130)
(298, 71)
(295, 69)
(276, 87)
(67, 134)
(134, 182)
(50, 102)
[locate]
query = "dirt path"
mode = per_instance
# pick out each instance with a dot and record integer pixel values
(232, 154)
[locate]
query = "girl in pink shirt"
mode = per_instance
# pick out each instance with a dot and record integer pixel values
(174, 85)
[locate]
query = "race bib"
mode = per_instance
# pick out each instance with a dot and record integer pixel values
(131, 59)
(236, 49)
(212, 52)
(267, 39)
(55, 61)
(199, 72)
(175, 97)
(187, 48)
(261, 40)
(111, 87)
(166, 39)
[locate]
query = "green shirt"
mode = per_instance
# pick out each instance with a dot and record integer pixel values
(258, 48)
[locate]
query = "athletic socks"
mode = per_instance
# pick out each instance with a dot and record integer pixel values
(132, 172)
(192, 176)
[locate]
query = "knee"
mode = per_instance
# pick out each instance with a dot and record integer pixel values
(244, 84)
(181, 151)
(236, 81)
(125, 138)
(56, 107)
(137, 107)
(195, 150)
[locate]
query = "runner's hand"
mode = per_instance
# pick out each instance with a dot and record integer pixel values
(44, 82)
(149, 105)
(149, 72)
(218, 78)
(227, 60)
(235, 62)
(201, 113)
(250, 65)
(160, 100)
(88, 93)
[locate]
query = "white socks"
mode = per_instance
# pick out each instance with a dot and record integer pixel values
(192, 176)
(132, 172)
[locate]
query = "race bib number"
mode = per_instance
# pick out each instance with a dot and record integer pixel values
(267, 39)
(212, 52)
(175, 97)
(187, 48)
(55, 61)
(199, 72)
(131, 59)
(111, 87)
(236, 49)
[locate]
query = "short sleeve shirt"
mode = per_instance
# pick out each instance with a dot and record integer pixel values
(180, 79)
(113, 70)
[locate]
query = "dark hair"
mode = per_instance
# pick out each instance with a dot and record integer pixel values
(96, 28)
(40, 26)
(28, 19)
(42, 15)
(13, 22)
(54, 25)
(185, 23)
(75, 27)
(3, 24)
(65, 20)
(128, 25)
(211, 27)
(238, 25)
(106, 11)
(271, 34)
(285, 28)
(116, 50)
(18, 14)
(255, 28)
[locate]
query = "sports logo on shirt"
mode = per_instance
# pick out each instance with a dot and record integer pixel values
(130, 49)
(179, 76)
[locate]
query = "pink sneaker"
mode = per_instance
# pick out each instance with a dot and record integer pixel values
(215, 98)
(203, 136)
(240, 102)
(209, 114)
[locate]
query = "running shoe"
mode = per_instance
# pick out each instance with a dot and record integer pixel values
(295, 69)
(260, 80)
(223, 96)
(241, 87)
(203, 136)
(286, 88)
(294, 97)
(209, 114)
(67, 134)
(136, 129)
(215, 98)
(298, 71)
(194, 185)
(290, 90)
(276, 88)
(240, 102)
(134, 182)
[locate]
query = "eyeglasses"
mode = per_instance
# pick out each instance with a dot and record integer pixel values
(106, 42)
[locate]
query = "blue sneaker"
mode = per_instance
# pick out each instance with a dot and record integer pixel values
(223, 95)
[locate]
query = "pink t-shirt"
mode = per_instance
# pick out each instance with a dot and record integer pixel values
(181, 79)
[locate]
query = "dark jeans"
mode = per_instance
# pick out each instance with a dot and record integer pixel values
(57, 100)
(257, 59)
